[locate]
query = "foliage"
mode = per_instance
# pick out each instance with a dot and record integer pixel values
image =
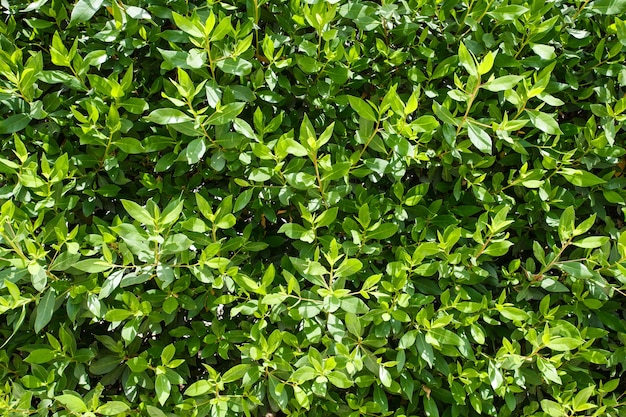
(312, 208)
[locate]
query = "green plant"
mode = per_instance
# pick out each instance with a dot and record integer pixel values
(347, 208)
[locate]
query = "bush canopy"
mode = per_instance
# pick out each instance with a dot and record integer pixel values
(312, 208)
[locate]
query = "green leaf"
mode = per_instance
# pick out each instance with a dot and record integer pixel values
(498, 247)
(508, 12)
(444, 114)
(162, 387)
(171, 213)
(580, 400)
(467, 60)
(566, 223)
(303, 374)
(112, 408)
(407, 340)
(167, 354)
(591, 242)
(581, 178)
(198, 388)
(296, 231)
(353, 305)
(383, 231)
(115, 315)
(339, 379)
(134, 105)
(45, 309)
(225, 114)
(155, 412)
(515, 314)
(104, 365)
(84, 10)
(504, 83)
(39, 356)
(242, 200)
(235, 373)
(425, 123)
(337, 171)
(608, 7)
(440, 336)
(385, 376)
(327, 217)
(301, 397)
(544, 122)
(168, 116)
(362, 108)
(348, 267)
(548, 370)
(479, 138)
(72, 403)
(14, 123)
(137, 212)
(188, 26)
(236, 66)
(92, 265)
(129, 145)
(195, 151)
(430, 407)
(564, 344)
(495, 376)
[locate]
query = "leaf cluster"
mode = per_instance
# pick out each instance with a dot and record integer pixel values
(342, 208)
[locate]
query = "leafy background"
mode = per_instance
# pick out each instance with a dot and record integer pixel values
(312, 208)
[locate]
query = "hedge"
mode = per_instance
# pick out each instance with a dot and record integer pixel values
(312, 208)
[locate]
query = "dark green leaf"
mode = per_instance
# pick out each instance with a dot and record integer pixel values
(14, 123)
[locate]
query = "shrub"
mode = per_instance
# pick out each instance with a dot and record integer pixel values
(312, 208)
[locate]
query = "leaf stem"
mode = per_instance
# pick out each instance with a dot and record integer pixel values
(319, 179)
(580, 9)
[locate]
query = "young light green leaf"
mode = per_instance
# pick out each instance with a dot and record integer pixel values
(112, 408)
(564, 344)
(506, 82)
(188, 25)
(72, 403)
(581, 178)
